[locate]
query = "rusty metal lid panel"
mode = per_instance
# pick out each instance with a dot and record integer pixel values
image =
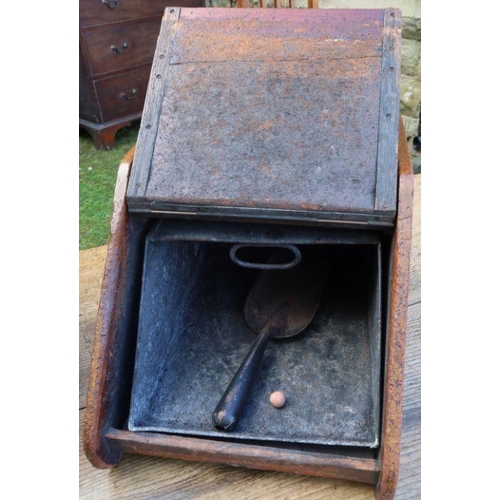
(269, 113)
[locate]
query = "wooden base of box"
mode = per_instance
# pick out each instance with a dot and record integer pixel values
(105, 439)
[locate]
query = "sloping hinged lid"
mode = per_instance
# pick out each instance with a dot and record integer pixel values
(275, 114)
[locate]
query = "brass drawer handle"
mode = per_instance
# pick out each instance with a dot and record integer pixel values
(132, 96)
(119, 50)
(112, 4)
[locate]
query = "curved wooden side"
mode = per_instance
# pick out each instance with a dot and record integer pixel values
(396, 328)
(95, 444)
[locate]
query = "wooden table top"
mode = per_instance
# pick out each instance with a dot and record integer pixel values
(137, 477)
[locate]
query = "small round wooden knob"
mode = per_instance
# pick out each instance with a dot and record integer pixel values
(278, 399)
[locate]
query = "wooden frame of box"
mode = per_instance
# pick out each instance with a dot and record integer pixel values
(105, 432)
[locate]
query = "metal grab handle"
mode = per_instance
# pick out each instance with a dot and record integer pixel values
(258, 265)
(133, 96)
(118, 50)
(112, 4)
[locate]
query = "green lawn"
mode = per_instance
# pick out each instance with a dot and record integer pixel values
(97, 183)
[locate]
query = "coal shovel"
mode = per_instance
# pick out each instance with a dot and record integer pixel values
(280, 304)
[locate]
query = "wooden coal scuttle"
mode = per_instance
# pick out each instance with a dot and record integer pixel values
(263, 130)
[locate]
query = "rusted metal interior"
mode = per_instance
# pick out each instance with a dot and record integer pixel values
(192, 336)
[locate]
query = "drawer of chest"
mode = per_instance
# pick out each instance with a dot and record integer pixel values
(123, 94)
(95, 12)
(120, 46)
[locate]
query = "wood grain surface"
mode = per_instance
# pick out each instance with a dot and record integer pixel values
(139, 477)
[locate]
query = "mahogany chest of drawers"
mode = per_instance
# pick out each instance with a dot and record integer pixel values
(117, 44)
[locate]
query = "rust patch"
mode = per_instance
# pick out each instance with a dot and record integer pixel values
(266, 125)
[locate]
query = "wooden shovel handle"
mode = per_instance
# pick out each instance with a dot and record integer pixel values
(228, 410)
